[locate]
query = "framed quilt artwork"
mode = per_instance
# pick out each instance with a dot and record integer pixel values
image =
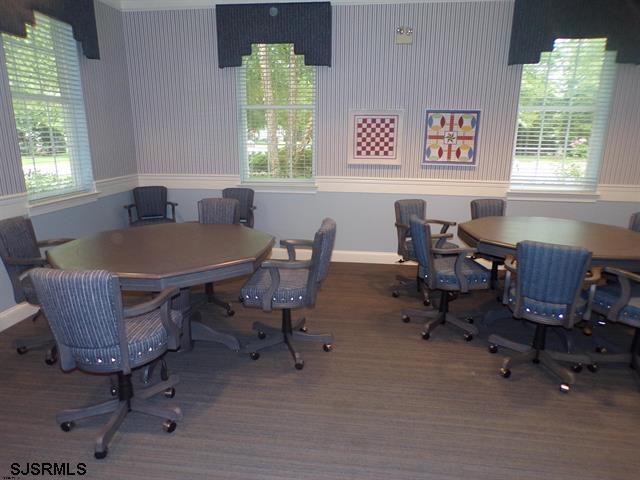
(451, 137)
(373, 137)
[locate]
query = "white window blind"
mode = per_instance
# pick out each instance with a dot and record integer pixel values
(563, 117)
(276, 100)
(44, 78)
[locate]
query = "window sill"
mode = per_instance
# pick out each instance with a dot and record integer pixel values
(281, 186)
(540, 195)
(53, 204)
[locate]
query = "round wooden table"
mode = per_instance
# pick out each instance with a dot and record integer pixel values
(183, 255)
(498, 236)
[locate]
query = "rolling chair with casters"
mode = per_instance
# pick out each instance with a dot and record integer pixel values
(289, 284)
(218, 211)
(150, 204)
(619, 302)
(634, 222)
(547, 291)
(447, 270)
(20, 252)
(98, 335)
(489, 207)
(404, 209)
(245, 197)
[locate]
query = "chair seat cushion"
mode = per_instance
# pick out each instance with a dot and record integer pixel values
(477, 276)
(609, 294)
(291, 293)
(151, 221)
(146, 337)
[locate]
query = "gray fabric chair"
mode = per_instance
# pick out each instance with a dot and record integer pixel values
(547, 291)
(446, 270)
(20, 251)
(489, 207)
(619, 302)
(634, 222)
(150, 204)
(404, 209)
(96, 334)
(245, 197)
(289, 284)
(218, 211)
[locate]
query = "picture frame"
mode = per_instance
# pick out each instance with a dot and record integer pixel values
(451, 137)
(374, 137)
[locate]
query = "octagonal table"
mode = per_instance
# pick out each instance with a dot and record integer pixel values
(183, 255)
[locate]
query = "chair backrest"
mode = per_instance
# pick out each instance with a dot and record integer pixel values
(408, 207)
(150, 201)
(487, 207)
(323, 244)
(245, 197)
(219, 211)
(634, 222)
(84, 310)
(18, 240)
(549, 280)
(421, 236)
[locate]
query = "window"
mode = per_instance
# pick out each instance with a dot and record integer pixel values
(276, 96)
(563, 116)
(44, 78)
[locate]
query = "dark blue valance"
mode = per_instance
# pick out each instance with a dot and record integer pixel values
(306, 25)
(14, 14)
(538, 23)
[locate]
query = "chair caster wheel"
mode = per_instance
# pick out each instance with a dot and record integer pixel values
(254, 355)
(241, 300)
(262, 335)
(299, 365)
(101, 455)
(577, 367)
(406, 318)
(601, 350)
(536, 361)
(169, 426)
(469, 320)
(564, 388)
(22, 350)
(426, 303)
(395, 294)
(592, 367)
(114, 391)
(170, 392)
(67, 426)
(304, 329)
(505, 372)
(426, 335)
(327, 347)
(50, 360)
(467, 337)
(230, 313)
(493, 348)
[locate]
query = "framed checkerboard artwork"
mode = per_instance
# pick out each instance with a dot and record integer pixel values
(374, 136)
(451, 137)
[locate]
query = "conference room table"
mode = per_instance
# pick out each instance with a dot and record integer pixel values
(154, 257)
(498, 236)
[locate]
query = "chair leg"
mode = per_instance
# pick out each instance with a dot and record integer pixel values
(109, 429)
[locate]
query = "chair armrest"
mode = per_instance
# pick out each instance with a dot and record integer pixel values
(292, 244)
(454, 251)
(173, 204)
(593, 277)
(274, 266)
(445, 224)
(620, 273)
(53, 242)
(286, 264)
(26, 262)
(129, 208)
(150, 305)
(442, 235)
(511, 264)
(625, 278)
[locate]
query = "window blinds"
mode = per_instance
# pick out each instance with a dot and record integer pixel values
(563, 117)
(46, 90)
(276, 100)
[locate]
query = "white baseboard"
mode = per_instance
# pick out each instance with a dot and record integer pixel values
(353, 256)
(15, 314)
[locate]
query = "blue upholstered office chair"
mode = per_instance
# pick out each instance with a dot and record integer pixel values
(20, 251)
(218, 211)
(96, 334)
(634, 222)
(619, 302)
(446, 270)
(245, 197)
(404, 209)
(489, 207)
(150, 204)
(289, 284)
(549, 280)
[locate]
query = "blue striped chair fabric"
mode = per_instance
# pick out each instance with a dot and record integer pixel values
(150, 201)
(487, 207)
(84, 310)
(607, 296)
(219, 211)
(634, 222)
(404, 209)
(245, 197)
(18, 240)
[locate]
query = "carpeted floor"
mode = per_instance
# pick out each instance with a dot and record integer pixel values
(384, 404)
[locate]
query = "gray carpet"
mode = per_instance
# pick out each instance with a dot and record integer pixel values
(383, 405)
